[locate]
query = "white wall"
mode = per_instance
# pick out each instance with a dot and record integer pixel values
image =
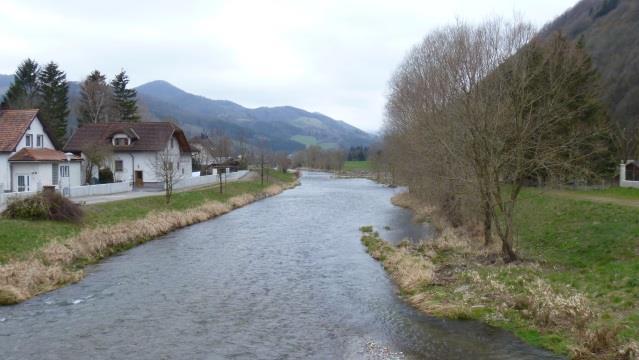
(145, 161)
(126, 175)
(5, 173)
(101, 189)
(39, 174)
(35, 129)
(207, 180)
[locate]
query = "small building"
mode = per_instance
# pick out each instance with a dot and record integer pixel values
(629, 174)
(134, 149)
(29, 158)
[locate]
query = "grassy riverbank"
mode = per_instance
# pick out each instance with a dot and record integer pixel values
(37, 256)
(358, 166)
(576, 292)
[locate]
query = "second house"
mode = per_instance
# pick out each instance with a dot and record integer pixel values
(130, 151)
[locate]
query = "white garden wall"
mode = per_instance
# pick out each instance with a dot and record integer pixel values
(101, 189)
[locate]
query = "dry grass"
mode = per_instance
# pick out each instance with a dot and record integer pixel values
(422, 212)
(466, 280)
(52, 266)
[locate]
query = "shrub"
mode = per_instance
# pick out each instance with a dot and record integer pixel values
(106, 176)
(44, 206)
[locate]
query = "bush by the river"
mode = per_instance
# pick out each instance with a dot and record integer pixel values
(44, 206)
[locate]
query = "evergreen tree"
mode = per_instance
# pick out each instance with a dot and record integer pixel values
(95, 99)
(124, 100)
(54, 95)
(24, 91)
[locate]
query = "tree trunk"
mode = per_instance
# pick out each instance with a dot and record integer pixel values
(507, 251)
(488, 225)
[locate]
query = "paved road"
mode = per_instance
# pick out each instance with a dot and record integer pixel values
(242, 175)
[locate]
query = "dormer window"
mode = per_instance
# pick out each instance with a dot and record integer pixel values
(121, 140)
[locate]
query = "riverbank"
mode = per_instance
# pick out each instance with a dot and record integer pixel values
(575, 293)
(39, 256)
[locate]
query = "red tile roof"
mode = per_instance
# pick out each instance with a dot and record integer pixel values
(13, 124)
(146, 136)
(31, 154)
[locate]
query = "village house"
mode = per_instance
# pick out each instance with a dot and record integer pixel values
(29, 159)
(209, 163)
(134, 149)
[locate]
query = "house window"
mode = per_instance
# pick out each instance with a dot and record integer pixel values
(172, 143)
(29, 140)
(23, 183)
(119, 165)
(55, 173)
(121, 141)
(64, 171)
(40, 141)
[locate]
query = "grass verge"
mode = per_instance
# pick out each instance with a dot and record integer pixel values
(39, 256)
(576, 292)
(357, 166)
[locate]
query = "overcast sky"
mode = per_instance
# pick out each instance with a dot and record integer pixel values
(334, 57)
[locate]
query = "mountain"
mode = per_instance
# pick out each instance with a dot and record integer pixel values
(609, 30)
(285, 128)
(5, 81)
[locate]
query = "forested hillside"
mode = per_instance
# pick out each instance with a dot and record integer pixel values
(285, 127)
(609, 30)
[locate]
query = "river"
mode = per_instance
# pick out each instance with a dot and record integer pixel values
(283, 278)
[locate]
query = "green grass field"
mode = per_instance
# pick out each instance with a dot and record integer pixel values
(357, 166)
(614, 192)
(19, 237)
(592, 247)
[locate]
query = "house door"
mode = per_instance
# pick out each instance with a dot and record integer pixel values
(23, 183)
(139, 179)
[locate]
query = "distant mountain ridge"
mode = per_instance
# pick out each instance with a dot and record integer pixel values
(5, 81)
(283, 128)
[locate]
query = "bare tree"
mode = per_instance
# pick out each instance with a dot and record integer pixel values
(282, 161)
(96, 99)
(166, 168)
(95, 155)
(485, 108)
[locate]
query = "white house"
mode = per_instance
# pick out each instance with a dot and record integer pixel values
(134, 148)
(29, 159)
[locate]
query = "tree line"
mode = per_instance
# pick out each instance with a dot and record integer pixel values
(46, 88)
(315, 157)
(477, 112)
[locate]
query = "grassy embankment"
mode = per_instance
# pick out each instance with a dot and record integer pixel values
(576, 292)
(357, 166)
(37, 256)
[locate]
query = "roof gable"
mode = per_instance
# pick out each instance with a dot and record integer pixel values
(145, 136)
(13, 125)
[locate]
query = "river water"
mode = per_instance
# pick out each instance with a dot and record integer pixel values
(283, 278)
